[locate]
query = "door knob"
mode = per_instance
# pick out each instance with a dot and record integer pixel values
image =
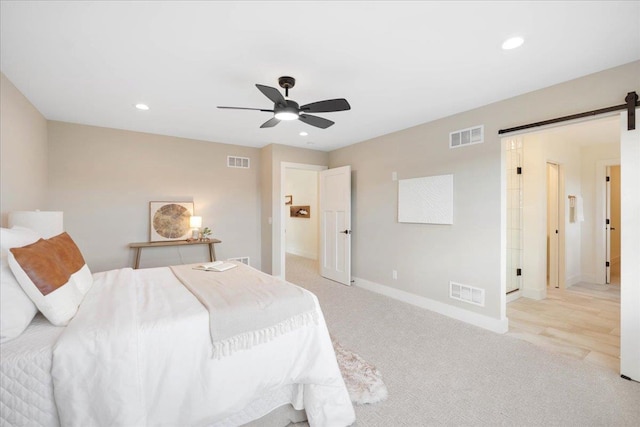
(346, 231)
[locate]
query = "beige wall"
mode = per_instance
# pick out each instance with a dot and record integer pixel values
(23, 152)
(103, 179)
(266, 204)
(427, 257)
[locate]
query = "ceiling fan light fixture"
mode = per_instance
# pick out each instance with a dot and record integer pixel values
(287, 115)
(288, 109)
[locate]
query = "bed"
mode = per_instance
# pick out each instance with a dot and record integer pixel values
(138, 351)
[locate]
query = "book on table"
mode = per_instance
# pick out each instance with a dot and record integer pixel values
(215, 266)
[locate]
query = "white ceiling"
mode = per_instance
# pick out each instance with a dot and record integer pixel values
(399, 64)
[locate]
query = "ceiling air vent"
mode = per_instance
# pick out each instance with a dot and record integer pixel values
(238, 162)
(460, 138)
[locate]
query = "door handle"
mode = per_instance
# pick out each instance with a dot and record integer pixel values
(346, 232)
(612, 228)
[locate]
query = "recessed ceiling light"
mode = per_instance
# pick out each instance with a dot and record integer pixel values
(143, 107)
(303, 133)
(512, 43)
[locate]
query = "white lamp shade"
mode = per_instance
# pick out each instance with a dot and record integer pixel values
(45, 223)
(195, 221)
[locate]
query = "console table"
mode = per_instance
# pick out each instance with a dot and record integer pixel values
(139, 246)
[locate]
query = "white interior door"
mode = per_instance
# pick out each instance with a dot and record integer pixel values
(335, 224)
(553, 239)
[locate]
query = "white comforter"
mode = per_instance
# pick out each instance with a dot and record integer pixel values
(138, 353)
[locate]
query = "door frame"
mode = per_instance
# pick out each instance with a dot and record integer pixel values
(282, 255)
(607, 239)
(553, 209)
(601, 217)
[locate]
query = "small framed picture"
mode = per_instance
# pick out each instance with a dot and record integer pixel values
(288, 200)
(169, 221)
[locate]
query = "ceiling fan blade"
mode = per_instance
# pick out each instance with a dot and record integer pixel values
(273, 94)
(270, 123)
(244, 108)
(328, 106)
(316, 121)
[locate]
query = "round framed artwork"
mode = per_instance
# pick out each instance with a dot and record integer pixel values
(169, 220)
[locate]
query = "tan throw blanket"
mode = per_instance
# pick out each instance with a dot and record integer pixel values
(247, 307)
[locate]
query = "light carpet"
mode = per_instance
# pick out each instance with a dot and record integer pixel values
(440, 371)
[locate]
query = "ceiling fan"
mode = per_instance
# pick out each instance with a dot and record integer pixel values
(286, 109)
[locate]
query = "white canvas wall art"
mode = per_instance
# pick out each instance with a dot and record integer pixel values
(426, 200)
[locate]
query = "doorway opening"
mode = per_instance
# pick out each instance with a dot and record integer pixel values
(334, 218)
(299, 189)
(561, 165)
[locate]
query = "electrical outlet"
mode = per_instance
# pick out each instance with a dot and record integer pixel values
(394, 274)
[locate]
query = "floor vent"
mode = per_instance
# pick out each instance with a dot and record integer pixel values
(460, 138)
(466, 293)
(238, 162)
(244, 260)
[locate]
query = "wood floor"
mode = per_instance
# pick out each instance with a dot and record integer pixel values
(582, 321)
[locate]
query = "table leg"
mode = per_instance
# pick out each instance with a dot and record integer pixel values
(212, 252)
(137, 258)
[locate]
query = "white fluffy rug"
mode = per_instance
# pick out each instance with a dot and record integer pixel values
(363, 380)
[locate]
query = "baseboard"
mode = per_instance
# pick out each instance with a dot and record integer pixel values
(304, 254)
(589, 278)
(573, 280)
(537, 294)
(513, 296)
(480, 320)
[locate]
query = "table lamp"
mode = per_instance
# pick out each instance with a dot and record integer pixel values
(45, 223)
(195, 222)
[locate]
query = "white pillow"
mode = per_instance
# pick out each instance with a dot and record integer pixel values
(16, 308)
(54, 275)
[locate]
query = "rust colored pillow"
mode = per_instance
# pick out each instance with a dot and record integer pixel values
(53, 274)
(40, 264)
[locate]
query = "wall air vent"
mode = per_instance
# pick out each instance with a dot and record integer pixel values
(244, 260)
(466, 293)
(460, 138)
(238, 162)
